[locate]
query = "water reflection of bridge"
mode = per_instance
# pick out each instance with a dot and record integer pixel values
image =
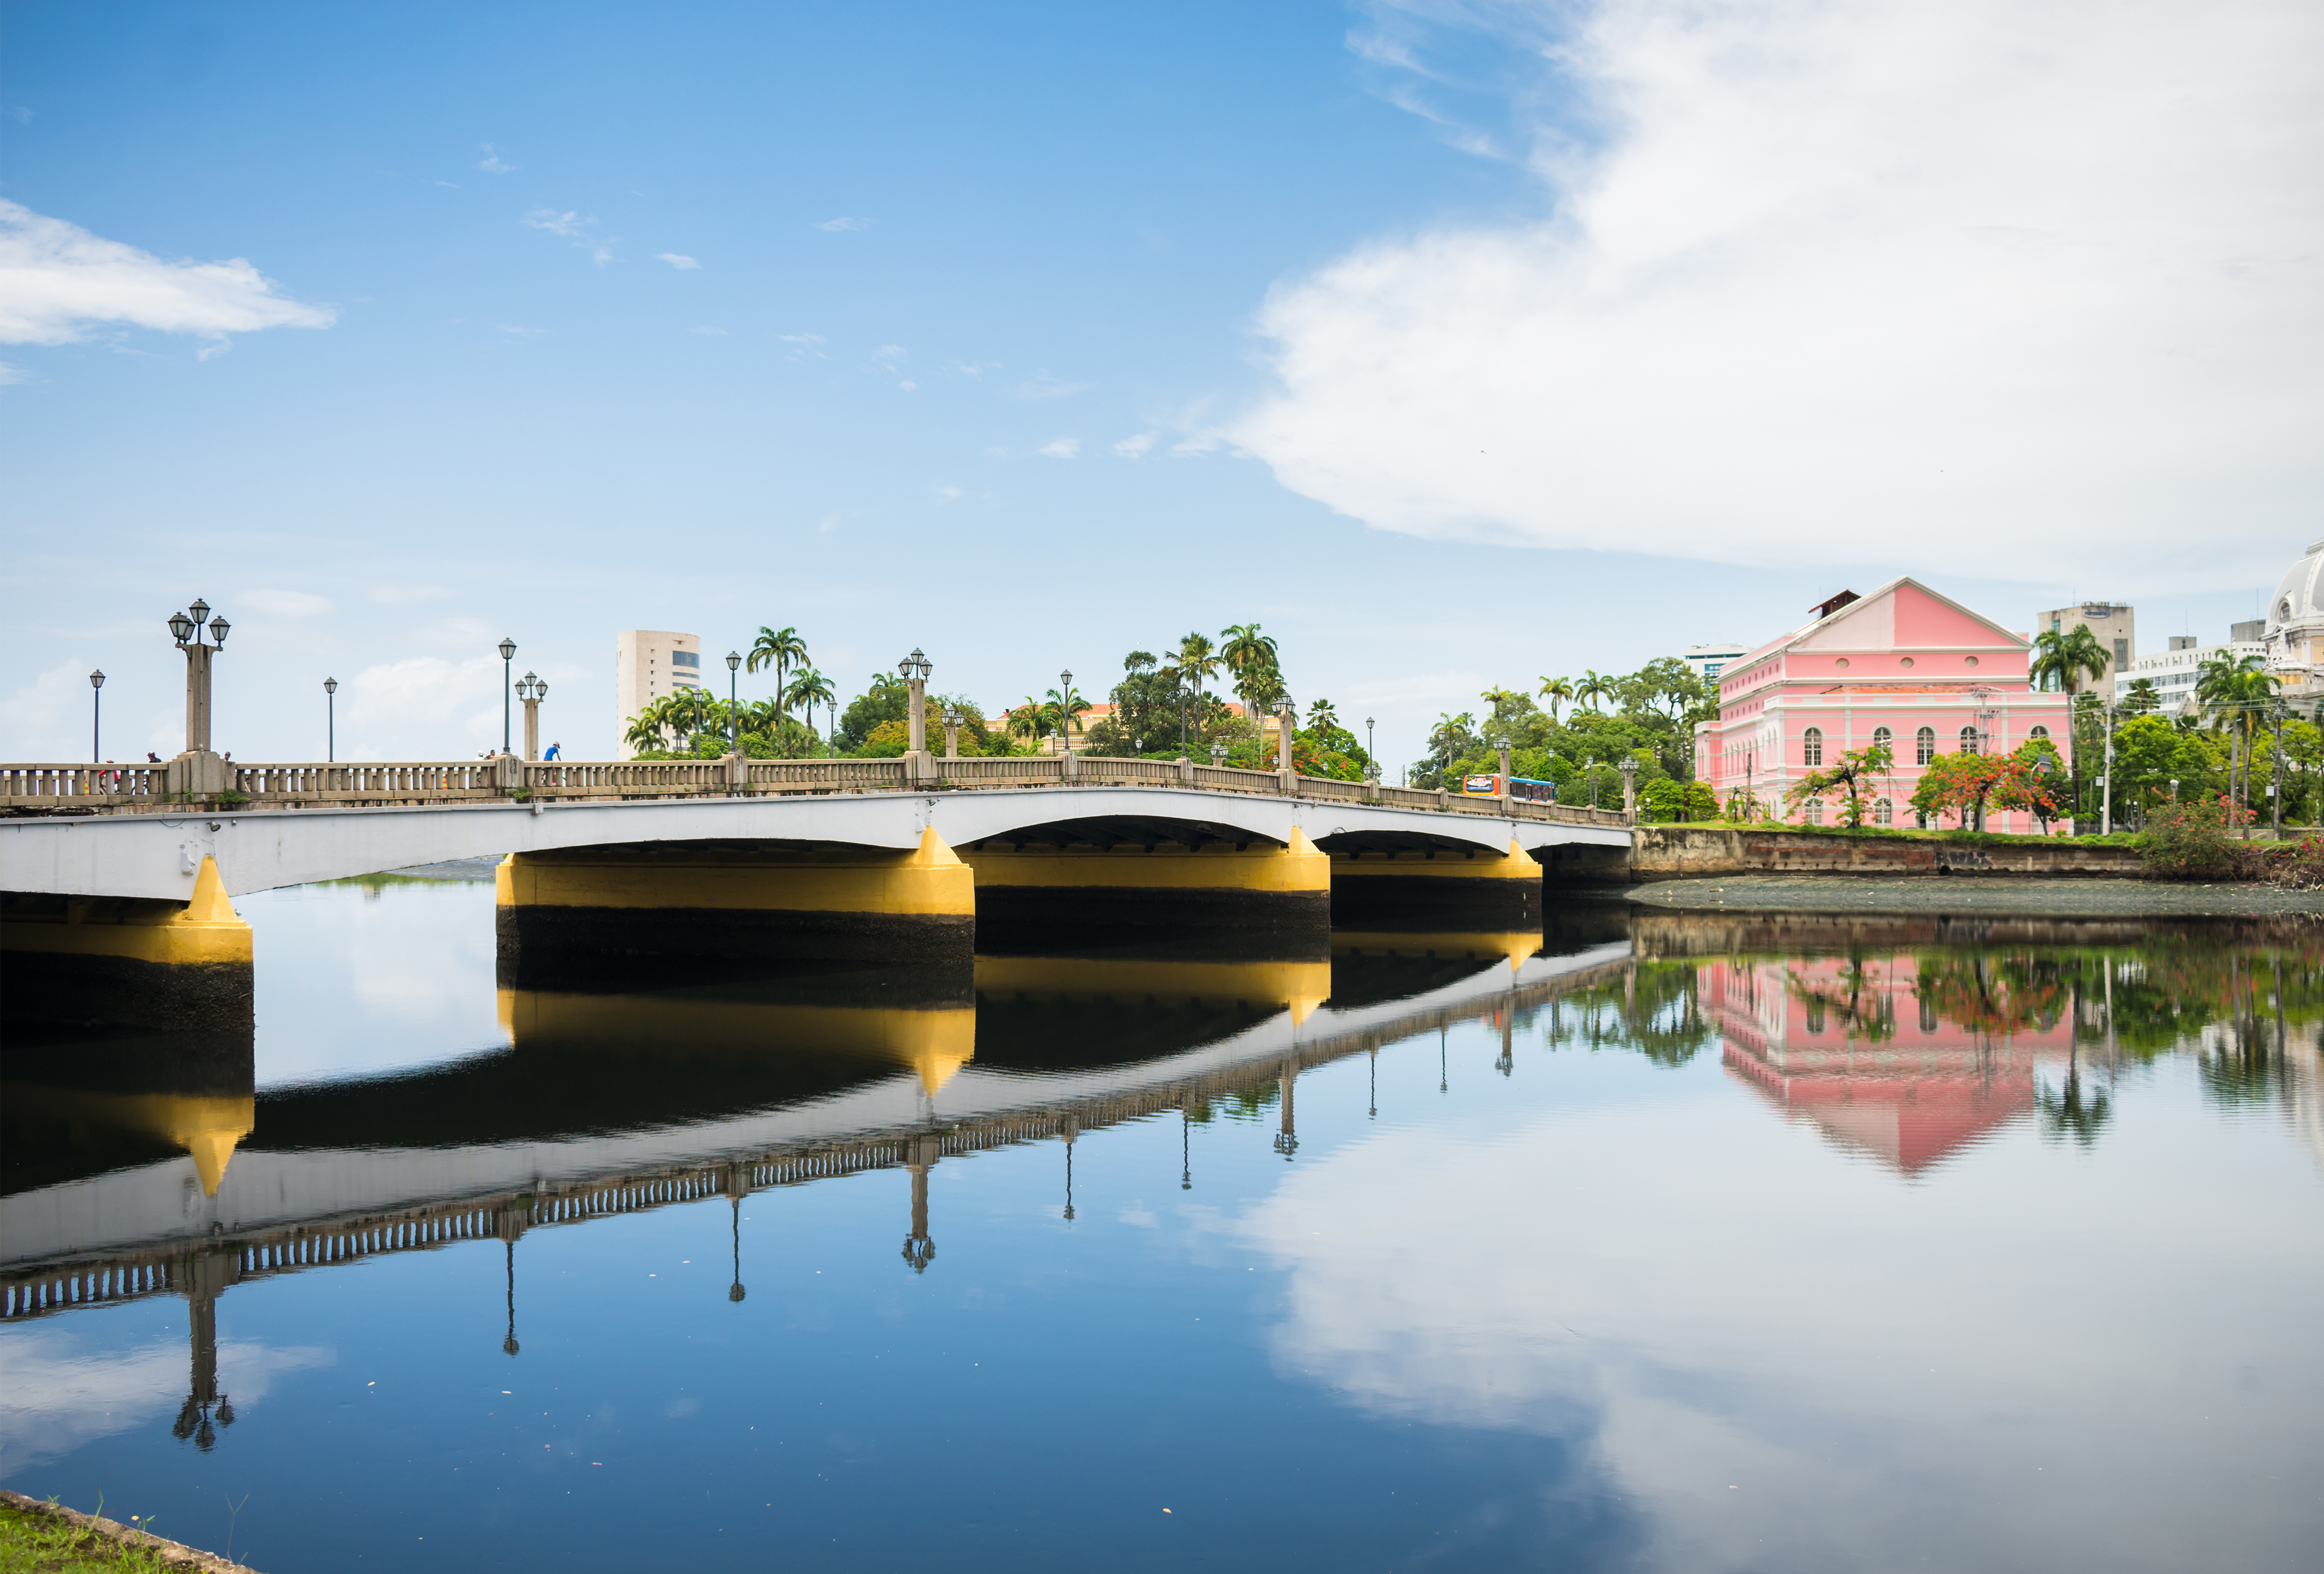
(871, 1088)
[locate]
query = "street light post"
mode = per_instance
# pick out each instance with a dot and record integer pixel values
(1501, 747)
(915, 669)
(735, 705)
(508, 685)
(1369, 754)
(1066, 711)
(197, 772)
(952, 720)
(1629, 768)
(532, 690)
(97, 716)
(330, 720)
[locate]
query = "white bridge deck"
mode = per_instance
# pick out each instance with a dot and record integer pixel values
(94, 832)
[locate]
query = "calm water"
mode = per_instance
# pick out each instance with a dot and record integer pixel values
(1705, 1247)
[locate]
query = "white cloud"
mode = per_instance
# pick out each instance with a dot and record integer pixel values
(839, 225)
(948, 494)
(1063, 447)
(830, 521)
(447, 708)
(53, 704)
(492, 162)
(580, 231)
(677, 260)
(1862, 282)
(58, 281)
(9, 374)
(1134, 448)
(285, 602)
(514, 331)
(710, 332)
(889, 357)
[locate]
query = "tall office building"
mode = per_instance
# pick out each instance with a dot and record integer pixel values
(648, 664)
(2116, 628)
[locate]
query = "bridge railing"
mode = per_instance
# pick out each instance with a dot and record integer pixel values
(76, 786)
(131, 788)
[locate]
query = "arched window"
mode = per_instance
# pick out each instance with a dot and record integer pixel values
(2041, 731)
(1969, 740)
(1813, 745)
(1815, 811)
(1882, 738)
(1928, 1016)
(1882, 814)
(1924, 746)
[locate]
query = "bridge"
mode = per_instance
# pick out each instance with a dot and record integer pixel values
(117, 884)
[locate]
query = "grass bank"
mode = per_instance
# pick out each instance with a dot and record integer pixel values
(43, 1538)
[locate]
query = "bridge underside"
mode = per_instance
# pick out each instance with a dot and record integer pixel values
(1019, 879)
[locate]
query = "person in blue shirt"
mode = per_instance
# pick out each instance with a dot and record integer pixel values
(552, 751)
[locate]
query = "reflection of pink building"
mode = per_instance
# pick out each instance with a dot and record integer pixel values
(1903, 666)
(1865, 1059)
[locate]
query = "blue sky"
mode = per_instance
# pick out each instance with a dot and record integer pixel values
(1029, 334)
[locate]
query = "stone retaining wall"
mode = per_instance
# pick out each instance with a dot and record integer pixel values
(1680, 852)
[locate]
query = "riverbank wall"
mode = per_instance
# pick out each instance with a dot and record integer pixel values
(1687, 852)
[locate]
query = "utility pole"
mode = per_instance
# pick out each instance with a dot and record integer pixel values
(2106, 777)
(2276, 792)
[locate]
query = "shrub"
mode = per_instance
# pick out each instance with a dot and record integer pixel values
(2190, 839)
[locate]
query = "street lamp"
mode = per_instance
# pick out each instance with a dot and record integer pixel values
(330, 720)
(532, 690)
(914, 670)
(1218, 755)
(508, 667)
(1501, 747)
(1630, 785)
(96, 714)
(1369, 754)
(1066, 711)
(187, 632)
(734, 704)
(952, 720)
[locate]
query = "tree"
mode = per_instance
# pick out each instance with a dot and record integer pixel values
(780, 648)
(1594, 686)
(2067, 657)
(645, 735)
(2143, 699)
(808, 691)
(1191, 665)
(1557, 692)
(1251, 660)
(2237, 695)
(1855, 766)
(1063, 707)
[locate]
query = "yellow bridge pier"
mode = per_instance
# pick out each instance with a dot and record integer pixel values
(738, 900)
(1488, 889)
(125, 960)
(1085, 883)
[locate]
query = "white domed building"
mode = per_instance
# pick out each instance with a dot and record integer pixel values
(2295, 629)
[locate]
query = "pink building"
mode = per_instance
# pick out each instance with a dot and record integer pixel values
(1903, 666)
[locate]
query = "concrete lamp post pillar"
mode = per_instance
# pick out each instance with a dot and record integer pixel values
(1629, 769)
(952, 720)
(915, 669)
(1286, 722)
(197, 773)
(738, 771)
(532, 690)
(1501, 747)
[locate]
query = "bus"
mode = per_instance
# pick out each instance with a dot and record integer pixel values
(1524, 788)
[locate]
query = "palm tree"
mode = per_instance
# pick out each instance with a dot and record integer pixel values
(1556, 691)
(781, 649)
(1250, 657)
(645, 734)
(1030, 719)
(2067, 657)
(1594, 686)
(2143, 699)
(808, 691)
(2236, 694)
(1322, 714)
(1194, 662)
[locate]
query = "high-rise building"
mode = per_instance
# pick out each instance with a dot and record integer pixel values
(1708, 661)
(2116, 628)
(650, 664)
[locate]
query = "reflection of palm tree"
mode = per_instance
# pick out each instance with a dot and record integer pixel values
(2066, 1114)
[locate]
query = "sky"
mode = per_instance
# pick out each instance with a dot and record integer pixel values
(1458, 344)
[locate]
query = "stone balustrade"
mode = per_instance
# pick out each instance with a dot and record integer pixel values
(51, 788)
